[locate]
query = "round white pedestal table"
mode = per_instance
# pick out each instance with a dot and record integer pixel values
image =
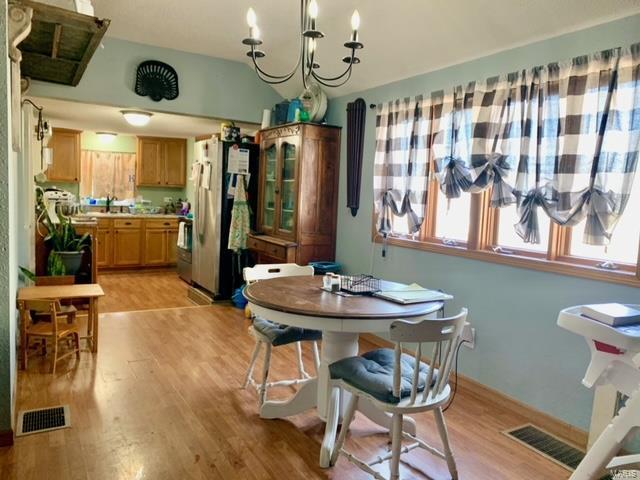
(301, 302)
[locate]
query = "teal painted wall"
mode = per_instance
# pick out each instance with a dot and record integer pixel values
(8, 227)
(520, 350)
(209, 87)
(120, 144)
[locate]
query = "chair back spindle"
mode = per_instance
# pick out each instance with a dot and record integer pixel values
(45, 306)
(445, 334)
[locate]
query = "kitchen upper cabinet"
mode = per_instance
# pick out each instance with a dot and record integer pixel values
(66, 156)
(161, 162)
(175, 153)
(149, 162)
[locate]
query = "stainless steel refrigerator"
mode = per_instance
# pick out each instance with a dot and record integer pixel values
(214, 268)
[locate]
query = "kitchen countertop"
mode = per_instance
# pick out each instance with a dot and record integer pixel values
(126, 215)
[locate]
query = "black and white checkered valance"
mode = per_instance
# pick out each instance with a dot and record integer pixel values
(563, 138)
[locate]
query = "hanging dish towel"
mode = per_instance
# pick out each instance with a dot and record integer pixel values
(240, 221)
(181, 237)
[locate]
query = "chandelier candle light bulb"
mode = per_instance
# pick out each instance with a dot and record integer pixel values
(355, 25)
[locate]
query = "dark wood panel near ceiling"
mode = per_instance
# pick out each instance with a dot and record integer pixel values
(61, 43)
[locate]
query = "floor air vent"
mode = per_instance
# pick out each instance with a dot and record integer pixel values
(43, 420)
(548, 445)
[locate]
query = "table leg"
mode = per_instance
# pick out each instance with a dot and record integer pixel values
(304, 399)
(93, 314)
(332, 401)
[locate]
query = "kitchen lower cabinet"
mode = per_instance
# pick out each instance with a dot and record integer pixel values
(104, 248)
(126, 247)
(172, 246)
(136, 242)
(155, 247)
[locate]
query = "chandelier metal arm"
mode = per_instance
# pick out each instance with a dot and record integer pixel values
(306, 54)
(333, 85)
(317, 76)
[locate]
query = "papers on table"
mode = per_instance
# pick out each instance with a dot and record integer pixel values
(413, 293)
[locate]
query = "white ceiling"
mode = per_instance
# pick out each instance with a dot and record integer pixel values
(85, 116)
(402, 38)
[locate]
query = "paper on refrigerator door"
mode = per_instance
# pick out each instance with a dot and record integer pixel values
(195, 170)
(206, 176)
(238, 160)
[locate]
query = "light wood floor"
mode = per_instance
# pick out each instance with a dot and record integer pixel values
(130, 291)
(162, 400)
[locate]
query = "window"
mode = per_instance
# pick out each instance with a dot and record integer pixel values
(452, 218)
(470, 227)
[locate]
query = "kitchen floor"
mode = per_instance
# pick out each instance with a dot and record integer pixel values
(152, 290)
(162, 399)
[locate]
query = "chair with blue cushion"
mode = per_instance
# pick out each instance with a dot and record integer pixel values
(401, 384)
(271, 334)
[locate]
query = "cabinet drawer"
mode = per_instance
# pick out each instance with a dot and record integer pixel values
(162, 223)
(128, 223)
(267, 248)
(104, 223)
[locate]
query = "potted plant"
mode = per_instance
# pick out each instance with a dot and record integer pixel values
(65, 257)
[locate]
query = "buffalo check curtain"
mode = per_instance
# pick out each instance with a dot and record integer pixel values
(401, 162)
(562, 139)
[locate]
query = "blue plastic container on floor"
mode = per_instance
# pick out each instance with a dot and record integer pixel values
(321, 268)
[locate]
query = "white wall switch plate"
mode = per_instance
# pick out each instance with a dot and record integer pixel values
(469, 336)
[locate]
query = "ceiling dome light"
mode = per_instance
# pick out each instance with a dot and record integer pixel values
(136, 118)
(106, 137)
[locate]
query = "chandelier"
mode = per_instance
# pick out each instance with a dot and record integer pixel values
(309, 35)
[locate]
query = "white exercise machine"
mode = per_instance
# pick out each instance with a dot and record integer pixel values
(614, 361)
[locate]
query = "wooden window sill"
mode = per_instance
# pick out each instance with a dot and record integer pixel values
(562, 267)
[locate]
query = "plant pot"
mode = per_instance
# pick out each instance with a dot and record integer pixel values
(71, 260)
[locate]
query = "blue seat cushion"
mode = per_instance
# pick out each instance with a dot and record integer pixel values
(284, 334)
(372, 373)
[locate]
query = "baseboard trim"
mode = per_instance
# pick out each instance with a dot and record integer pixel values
(472, 387)
(6, 438)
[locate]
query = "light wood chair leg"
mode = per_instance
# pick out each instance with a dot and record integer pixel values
(444, 435)
(254, 359)
(396, 445)
(346, 423)
(316, 357)
(55, 355)
(265, 374)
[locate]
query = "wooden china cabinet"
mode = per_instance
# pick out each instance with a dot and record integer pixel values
(298, 201)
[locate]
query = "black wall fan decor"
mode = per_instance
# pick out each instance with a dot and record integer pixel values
(157, 80)
(356, 116)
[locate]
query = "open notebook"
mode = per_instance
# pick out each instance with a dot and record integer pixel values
(413, 293)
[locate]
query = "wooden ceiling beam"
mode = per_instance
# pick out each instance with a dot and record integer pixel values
(57, 34)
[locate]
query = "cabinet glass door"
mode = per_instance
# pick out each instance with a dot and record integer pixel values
(270, 189)
(288, 197)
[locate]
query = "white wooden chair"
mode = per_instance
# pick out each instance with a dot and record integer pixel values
(271, 334)
(401, 384)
